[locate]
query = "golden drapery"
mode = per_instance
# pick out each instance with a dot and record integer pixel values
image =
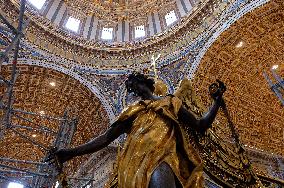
(156, 136)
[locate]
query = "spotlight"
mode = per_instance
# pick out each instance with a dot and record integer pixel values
(53, 84)
(275, 67)
(240, 44)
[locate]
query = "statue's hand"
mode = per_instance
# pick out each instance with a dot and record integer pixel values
(217, 90)
(58, 157)
(63, 155)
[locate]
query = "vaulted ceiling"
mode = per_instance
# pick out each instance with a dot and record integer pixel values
(49, 93)
(239, 56)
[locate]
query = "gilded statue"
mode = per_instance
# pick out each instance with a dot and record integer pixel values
(157, 152)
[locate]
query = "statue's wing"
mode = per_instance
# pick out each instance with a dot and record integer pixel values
(221, 159)
(190, 101)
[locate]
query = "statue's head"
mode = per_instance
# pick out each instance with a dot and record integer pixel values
(139, 84)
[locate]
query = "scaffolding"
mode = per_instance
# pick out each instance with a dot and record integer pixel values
(278, 87)
(39, 173)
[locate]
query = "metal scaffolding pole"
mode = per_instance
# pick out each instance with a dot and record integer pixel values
(36, 114)
(30, 121)
(16, 41)
(4, 56)
(20, 30)
(45, 174)
(4, 28)
(21, 161)
(41, 129)
(31, 140)
(277, 86)
(278, 79)
(25, 170)
(3, 80)
(64, 137)
(7, 23)
(15, 180)
(11, 172)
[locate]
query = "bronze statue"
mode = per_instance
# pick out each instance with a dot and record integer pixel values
(157, 152)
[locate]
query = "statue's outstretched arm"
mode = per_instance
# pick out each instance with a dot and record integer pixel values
(95, 144)
(216, 91)
(201, 125)
(101, 141)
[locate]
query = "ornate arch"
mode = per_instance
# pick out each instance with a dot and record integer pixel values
(234, 12)
(92, 86)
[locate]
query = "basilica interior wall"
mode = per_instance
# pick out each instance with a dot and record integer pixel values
(243, 42)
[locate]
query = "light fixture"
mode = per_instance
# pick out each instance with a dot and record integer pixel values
(275, 67)
(34, 135)
(53, 84)
(240, 44)
(42, 112)
(15, 185)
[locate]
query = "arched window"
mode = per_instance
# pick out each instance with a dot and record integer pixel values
(72, 24)
(15, 185)
(107, 33)
(139, 31)
(170, 18)
(37, 3)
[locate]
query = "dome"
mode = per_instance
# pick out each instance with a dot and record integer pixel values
(112, 22)
(116, 30)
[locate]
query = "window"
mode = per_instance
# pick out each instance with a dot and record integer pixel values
(170, 18)
(107, 33)
(37, 3)
(73, 24)
(139, 31)
(15, 185)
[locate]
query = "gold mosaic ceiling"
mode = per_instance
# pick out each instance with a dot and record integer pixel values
(256, 111)
(113, 11)
(34, 93)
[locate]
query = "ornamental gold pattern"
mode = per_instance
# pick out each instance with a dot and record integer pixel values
(255, 110)
(34, 93)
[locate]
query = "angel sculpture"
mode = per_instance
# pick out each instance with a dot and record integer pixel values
(157, 152)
